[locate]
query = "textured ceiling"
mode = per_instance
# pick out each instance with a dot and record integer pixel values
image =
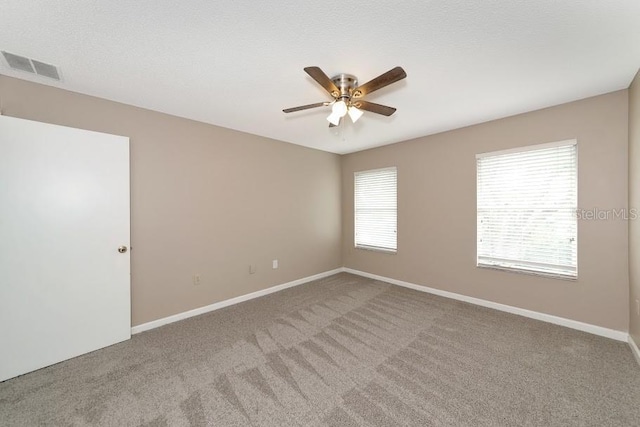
(238, 63)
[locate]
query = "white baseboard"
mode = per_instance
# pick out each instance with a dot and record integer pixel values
(222, 304)
(573, 324)
(634, 349)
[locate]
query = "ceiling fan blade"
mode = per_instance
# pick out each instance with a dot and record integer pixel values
(323, 80)
(374, 108)
(305, 107)
(379, 82)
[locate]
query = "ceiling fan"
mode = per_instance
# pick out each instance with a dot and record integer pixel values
(347, 95)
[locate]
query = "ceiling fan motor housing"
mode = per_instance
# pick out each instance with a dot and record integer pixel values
(346, 83)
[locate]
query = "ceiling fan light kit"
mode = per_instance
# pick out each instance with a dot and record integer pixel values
(347, 95)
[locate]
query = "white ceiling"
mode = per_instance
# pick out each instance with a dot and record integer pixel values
(238, 63)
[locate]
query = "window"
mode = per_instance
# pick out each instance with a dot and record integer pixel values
(376, 211)
(527, 204)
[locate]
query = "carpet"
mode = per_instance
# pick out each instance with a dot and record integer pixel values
(340, 351)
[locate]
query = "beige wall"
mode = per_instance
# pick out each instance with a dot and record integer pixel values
(634, 203)
(211, 201)
(205, 200)
(437, 211)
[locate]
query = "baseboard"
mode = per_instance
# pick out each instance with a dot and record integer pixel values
(226, 303)
(634, 349)
(573, 324)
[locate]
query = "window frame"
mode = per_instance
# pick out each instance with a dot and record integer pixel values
(518, 266)
(373, 248)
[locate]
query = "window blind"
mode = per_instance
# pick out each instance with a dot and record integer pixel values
(376, 209)
(527, 204)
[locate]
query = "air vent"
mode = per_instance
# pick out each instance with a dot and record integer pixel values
(32, 66)
(18, 62)
(46, 70)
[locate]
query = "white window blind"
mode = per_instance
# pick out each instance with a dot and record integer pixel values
(527, 204)
(376, 209)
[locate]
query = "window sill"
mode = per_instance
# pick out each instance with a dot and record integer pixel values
(530, 272)
(374, 249)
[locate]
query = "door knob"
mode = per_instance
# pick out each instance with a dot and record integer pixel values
(122, 249)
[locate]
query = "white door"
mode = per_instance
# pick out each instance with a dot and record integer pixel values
(64, 212)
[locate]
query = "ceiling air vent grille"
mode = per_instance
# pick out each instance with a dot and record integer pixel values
(46, 70)
(18, 62)
(32, 66)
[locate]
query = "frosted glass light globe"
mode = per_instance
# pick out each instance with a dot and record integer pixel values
(339, 108)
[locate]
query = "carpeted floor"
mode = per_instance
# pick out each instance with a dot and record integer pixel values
(341, 351)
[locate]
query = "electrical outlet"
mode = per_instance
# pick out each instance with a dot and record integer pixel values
(252, 268)
(275, 264)
(638, 307)
(196, 279)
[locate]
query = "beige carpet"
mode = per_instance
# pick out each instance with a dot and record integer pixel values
(341, 351)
